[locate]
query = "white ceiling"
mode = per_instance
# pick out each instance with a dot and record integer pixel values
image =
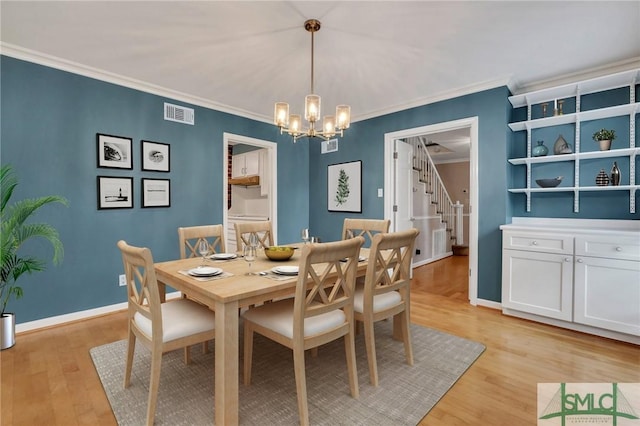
(378, 57)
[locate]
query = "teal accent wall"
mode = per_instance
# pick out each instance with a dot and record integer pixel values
(365, 141)
(49, 120)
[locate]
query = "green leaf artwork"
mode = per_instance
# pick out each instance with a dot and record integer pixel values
(342, 193)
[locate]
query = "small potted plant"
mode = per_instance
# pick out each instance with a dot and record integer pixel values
(14, 232)
(604, 137)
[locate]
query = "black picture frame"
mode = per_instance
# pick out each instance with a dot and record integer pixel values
(155, 156)
(155, 192)
(114, 152)
(114, 192)
(344, 187)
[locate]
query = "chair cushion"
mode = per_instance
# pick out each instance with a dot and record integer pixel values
(180, 318)
(278, 316)
(380, 301)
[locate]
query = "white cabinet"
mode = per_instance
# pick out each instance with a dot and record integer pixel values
(584, 151)
(584, 278)
(246, 164)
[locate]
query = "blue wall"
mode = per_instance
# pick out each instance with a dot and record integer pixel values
(49, 120)
(365, 141)
(49, 123)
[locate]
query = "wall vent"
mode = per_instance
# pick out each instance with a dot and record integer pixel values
(439, 238)
(329, 146)
(179, 114)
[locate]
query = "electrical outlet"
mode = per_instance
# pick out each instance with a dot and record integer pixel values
(122, 280)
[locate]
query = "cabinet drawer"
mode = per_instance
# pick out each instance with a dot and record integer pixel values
(540, 242)
(625, 248)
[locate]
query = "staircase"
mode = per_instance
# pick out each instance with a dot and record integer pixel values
(450, 214)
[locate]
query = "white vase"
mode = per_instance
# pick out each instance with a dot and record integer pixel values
(605, 145)
(7, 331)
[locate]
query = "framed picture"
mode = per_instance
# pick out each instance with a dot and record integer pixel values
(155, 156)
(114, 152)
(156, 193)
(115, 192)
(344, 187)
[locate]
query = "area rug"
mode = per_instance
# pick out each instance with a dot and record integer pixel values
(404, 396)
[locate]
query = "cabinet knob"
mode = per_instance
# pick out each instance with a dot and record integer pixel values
(579, 260)
(567, 259)
(618, 248)
(534, 243)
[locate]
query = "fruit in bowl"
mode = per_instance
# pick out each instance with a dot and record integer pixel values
(279, 252)
(549, 183)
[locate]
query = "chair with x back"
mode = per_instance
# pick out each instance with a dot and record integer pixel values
(320, 312)
(190, 237)
(161, 327)
(261, 229)
(386, 292)
(366, 228)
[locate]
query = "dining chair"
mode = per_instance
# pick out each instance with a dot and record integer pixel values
(190, 237)
(386, 292)
(261, 229)
(364, 227)
(320, 312)
(161, 327)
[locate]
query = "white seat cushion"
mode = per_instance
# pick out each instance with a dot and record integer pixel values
(278, 316)
(181, 317)
(380, 301)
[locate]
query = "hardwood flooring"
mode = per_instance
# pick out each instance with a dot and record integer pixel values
(48, 377)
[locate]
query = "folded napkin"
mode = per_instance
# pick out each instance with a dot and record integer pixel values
(215, 277)
(277, 277)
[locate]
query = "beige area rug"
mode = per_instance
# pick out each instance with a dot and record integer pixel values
(405, 394)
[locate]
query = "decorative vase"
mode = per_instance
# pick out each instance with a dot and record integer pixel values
(561, 146)
(7, 330)
(602, 179)
(540, 150)
(615, 174)
(605, 145)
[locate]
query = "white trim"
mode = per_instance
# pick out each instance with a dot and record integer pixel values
(489, 304)
(272, 149)
(472, 124)
(77, 316)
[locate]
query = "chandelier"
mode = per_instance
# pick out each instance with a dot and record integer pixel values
(292, 124)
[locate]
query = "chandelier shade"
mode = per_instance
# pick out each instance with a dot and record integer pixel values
(292, 123)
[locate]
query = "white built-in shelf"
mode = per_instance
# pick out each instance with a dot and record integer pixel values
(626, 152)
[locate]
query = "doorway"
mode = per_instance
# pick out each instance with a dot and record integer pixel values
(271, 148)
(391, 198)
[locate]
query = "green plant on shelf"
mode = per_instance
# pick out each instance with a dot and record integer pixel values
(604, 135)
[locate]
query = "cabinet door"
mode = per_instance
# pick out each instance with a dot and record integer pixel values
(237, 166)
(252, 163)
(538, 283)
(607, 294)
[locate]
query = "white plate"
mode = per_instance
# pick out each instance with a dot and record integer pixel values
(223, 256)
(204, 271)
(285, 270)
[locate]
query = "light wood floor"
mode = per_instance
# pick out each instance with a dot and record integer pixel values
(48, 378)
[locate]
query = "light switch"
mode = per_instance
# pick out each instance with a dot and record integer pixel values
(379, 192)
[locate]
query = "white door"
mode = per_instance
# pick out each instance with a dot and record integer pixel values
(403, 185)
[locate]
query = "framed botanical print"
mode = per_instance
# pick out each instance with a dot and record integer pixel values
(114, 152)
(155, 156)
(344, 187)
(115, 192)
(156, 193)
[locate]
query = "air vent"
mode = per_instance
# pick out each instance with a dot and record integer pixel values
(329, 146)
(179, 114)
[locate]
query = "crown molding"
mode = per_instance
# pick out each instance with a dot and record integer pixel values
(28, 55)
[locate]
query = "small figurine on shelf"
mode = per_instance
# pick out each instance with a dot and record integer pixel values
(615, 174)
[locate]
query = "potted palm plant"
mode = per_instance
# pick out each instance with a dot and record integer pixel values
(14, 232)
(604, 137)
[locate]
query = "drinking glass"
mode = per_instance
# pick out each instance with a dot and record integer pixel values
(349, 234)
(203, 249)
(249, 256)
(305, 235)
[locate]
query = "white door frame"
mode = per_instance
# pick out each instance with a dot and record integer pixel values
(272, 157)
(472, 124)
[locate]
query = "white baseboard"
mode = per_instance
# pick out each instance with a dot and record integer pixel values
(76, 316)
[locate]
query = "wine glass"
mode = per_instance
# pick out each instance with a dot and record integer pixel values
(203, 249)
(249, 256)
(349, 234)
(305, 235)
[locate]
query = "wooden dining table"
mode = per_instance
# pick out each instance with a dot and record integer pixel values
(226, 295)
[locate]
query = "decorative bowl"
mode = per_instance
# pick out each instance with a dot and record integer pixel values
(278, 252)
(549, 183)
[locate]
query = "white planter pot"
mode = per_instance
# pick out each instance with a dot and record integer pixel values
(7, 331)
(605, 145)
